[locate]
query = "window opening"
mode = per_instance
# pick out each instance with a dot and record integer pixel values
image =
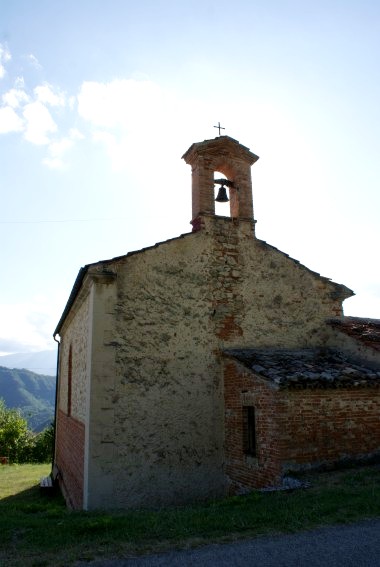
(249, 431)
(69, 380)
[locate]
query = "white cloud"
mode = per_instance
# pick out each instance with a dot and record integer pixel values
(39, 123)
(5, 56)
(116, 150)
(127, 103)
(75, 134)
(56, 152)
(45, 94)
(15, 97)
(34, 61)
(29, 324)
(59, 148)
(130, 117)
(10, 121)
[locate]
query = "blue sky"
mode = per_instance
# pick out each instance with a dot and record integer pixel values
(99, 101)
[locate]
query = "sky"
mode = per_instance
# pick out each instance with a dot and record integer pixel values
(99, 101)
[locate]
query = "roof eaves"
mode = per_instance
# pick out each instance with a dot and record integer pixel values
(83, 271)
(342, 291)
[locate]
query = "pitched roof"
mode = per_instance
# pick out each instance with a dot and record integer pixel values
(216, 145)
(306, 368)
(366, 331)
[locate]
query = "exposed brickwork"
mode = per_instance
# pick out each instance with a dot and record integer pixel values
(225, 155)
(226, 278)
(295, 429)
(69, 458)
(242, 389)
(320, 426)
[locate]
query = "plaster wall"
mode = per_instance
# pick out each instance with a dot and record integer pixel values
(166, 401)
(100, 434)
(75, 335)
(356, 348)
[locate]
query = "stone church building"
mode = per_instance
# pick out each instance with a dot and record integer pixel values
(209, 364)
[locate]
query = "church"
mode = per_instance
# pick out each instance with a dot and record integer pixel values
(209, 364)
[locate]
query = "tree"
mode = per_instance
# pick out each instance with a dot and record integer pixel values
(43, 446)
(15, 439)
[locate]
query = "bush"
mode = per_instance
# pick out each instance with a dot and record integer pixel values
(18, 443)
(14, 437)
(43, 446)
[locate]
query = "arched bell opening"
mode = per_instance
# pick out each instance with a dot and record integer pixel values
(225, 196)
(221, 195)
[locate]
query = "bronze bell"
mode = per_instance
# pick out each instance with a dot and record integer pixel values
(222, 195)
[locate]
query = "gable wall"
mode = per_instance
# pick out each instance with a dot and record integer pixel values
(176, 307)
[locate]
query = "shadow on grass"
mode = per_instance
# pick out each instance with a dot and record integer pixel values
(33, 524)
(33, 496)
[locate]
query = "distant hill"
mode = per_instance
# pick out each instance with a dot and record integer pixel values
(33, 394)
(43, 362)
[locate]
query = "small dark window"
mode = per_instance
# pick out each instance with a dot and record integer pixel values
(69, 380)
(249, 431)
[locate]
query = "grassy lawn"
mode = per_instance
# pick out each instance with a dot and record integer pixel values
(37, 530)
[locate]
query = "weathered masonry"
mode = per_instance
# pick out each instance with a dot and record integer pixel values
(208, 364)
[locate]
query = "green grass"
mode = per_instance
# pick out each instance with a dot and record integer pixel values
(38, 530)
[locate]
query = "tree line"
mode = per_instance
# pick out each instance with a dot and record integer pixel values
(18, 444)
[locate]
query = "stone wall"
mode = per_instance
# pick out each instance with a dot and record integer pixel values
(262, 297)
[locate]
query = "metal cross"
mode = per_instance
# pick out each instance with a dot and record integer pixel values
(219, 127)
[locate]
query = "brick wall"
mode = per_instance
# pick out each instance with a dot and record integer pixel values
(70, 458)
(325, 426)
(244, 471)
(295, 429)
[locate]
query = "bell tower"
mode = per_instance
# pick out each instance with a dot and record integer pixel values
(225, 155)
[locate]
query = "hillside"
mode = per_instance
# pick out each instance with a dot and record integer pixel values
(42, 362)
(33, 393)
